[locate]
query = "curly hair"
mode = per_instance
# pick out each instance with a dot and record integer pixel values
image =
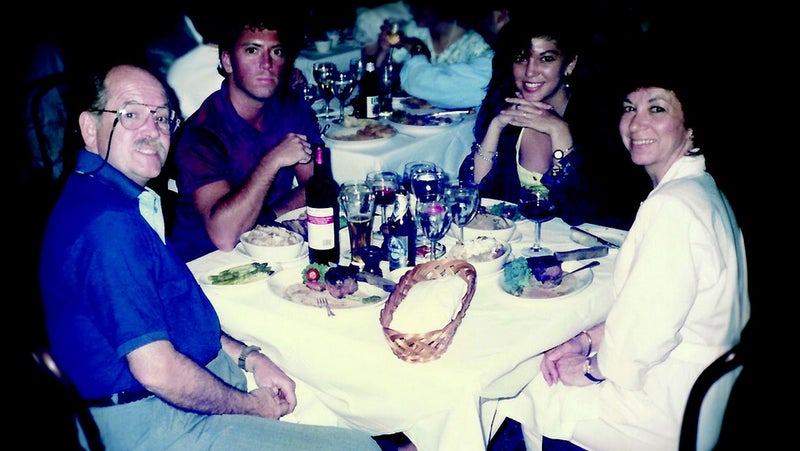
(515, 40)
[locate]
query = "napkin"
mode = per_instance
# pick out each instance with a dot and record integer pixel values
(429, 305)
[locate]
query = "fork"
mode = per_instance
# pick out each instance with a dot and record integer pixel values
(322, 301)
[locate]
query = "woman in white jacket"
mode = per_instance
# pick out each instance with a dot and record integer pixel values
(681, 299)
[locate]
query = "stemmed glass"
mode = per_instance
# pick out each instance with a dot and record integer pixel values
(357, 68)
(309, 92)
(535, 204)
(323, 75)
(464, 200)
(435, 219)
(427, 184)
(343, 85)
(415, 166)
(385, 185)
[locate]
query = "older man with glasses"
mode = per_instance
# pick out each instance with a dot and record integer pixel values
(126, 319)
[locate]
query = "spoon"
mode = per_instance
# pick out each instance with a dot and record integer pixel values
(557, 280)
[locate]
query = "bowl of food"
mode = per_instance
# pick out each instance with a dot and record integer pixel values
(272, 243)
(490, 225)
(486, 254)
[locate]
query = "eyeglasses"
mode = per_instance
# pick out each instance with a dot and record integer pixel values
(134, 115)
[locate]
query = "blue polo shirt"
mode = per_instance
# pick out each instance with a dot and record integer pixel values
(216, 144)
(110, 285)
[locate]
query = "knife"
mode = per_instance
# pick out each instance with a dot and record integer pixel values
(595, 237)
(449, 112)
(375, 280)
(582, 253)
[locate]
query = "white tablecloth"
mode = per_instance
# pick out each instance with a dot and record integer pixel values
(348, 375)
(447, 149)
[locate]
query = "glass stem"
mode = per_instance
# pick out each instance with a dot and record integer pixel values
(537, 238)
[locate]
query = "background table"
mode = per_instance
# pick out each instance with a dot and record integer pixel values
(347, 374)
(447, 149)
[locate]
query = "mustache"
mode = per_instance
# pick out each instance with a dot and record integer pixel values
(152, 143)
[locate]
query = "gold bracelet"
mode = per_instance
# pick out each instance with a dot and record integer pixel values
(583, 332)
(485, 156)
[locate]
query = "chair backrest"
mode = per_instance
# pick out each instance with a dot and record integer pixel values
(87, 426)
(707, 401)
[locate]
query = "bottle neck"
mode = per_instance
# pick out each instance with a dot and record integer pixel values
(322, 161)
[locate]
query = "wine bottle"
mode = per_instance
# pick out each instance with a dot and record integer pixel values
(402, 237)
(369, 92)
(322, 210)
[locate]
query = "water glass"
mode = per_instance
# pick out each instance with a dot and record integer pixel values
(464, 200)
(435, 219)
(357, 203)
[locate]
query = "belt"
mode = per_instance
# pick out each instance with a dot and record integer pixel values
(123, 397)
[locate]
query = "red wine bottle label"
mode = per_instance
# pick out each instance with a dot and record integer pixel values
(321, 228)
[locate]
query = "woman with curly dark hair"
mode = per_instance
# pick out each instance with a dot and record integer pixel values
(535, 127)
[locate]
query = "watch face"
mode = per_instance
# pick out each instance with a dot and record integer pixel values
(558, 154)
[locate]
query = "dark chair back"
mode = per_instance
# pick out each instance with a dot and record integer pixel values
(75, 404)
(692, 436)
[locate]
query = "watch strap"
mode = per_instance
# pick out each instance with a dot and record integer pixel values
(246, 352)
(587, 371)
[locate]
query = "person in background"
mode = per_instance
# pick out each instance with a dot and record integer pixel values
(541, 124)
(680, 289)
(127, 320)
(244, 157)
(490, 18)
(447, 63)
(367, 26)
(195, 74)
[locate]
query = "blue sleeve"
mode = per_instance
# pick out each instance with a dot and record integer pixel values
(456, 85)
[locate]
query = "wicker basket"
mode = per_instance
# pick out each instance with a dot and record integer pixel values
(423, 347)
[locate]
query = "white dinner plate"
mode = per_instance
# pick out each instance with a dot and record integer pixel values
(570, 284)
(346, 137)
(205, 279)
(288, 285)
(436, 125)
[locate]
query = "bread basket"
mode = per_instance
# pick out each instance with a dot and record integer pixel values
(424, 347)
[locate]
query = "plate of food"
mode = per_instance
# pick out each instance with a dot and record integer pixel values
(336, 285)
(411, 104)
(423, 124)
(359, 132)
(238, 275)
(538, 278)
(490, 225)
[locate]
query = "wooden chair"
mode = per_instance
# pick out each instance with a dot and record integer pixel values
(75, 404)
(699, 432)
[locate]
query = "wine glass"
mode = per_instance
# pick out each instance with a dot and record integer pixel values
(535, 204)
(464, 200)
(415, 166)
(310, 93)
(323, 74)
(435, 219)
(357, 68)
(385, 185)
(427, 184)
(343, 85)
